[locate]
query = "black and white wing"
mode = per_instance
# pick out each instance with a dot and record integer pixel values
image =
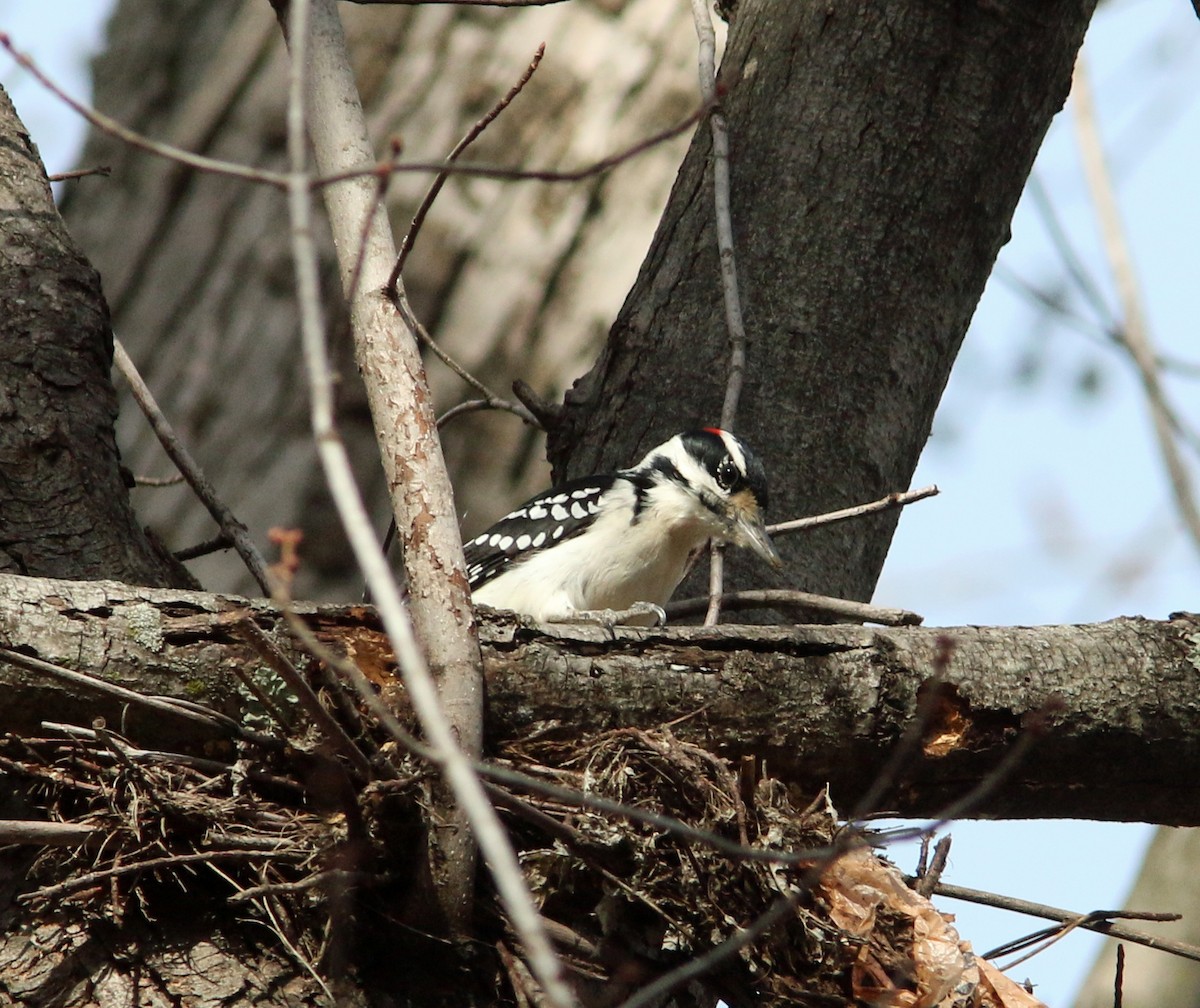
(549, 518)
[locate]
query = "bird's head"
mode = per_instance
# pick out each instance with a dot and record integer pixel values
(719, 480)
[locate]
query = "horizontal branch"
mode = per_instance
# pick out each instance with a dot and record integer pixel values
(817, 703)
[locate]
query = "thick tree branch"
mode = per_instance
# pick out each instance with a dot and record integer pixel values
(818, 703)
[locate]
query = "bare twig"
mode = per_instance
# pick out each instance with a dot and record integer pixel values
(932, 874)
(716, 584)
(111, 126)
(490, 399)
(892, 500)
(279, 180)
(44, 834)
(79, 173)
(734, 324)
(332, 88)
(435, 187)
(338, 876)
(189, 712)
(190, 469)
(1073, 264)
(505, 174)
(213, 545)
(1136, 329)
(723, 217)
(1099, 920)
(154, 864)
(475, 405)
(786, 598)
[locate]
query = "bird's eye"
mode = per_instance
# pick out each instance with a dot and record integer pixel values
(727, 474)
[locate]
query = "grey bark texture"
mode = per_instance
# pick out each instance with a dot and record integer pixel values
(878, 152)
(1111, 705)
(62, 492)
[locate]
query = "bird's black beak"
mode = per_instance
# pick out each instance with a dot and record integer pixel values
(750, 531)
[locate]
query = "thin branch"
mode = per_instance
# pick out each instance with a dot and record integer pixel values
(332, 875)
(190, 469)
(716, 584)
(892, 500)
(505, 174)
(279, 180)
(45, 834)
(493, 401)
(79, 173)
(1066, 252)
(214, 545)
(435, 187)
(475, 405)
(723, 218)
(1101, 923)
(153, 864)
(189, 712)
(1136, 329)
(134, 139)
(455, 764)
(786, 598)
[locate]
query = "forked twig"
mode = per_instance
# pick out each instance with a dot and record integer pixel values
(435, 187)
(1102, 922)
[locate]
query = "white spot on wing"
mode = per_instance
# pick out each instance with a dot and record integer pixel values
(558, 512)
(523, 542)
(558, 531)
(539, 539)
(578, 510)
(537, 512)
(505, 543)
(494, 539)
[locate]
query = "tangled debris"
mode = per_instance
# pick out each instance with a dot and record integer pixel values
(631, 900)
(854, 931)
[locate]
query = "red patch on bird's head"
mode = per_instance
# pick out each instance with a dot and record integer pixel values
(714, 430)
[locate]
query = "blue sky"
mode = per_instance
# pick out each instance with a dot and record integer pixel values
(1053, 507)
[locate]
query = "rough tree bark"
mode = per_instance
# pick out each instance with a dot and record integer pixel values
(1110, 705)
(62, 491)
(878, 152)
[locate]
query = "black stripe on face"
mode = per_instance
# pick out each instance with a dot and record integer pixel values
(660, 470)
(708, 448)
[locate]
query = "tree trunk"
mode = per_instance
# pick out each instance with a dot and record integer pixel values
(63, 497)
(877, 155)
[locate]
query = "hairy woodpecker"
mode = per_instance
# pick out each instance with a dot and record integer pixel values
(613, 547)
